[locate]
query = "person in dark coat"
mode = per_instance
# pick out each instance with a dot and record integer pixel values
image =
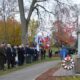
(2, 57)
(20, 55)
(27, 52)
(50, 53)
(31, 53)
(35, 54)
(23, 55)
(9, 56)
(13, 56)
(43, 52)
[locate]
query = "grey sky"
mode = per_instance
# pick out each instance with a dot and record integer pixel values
(76, 1)
(27, 3)
(48, 5)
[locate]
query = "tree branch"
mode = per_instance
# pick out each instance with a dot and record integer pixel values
(37, 11)
(43, 8)
(41, 0)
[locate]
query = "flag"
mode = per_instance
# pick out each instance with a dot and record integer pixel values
(37, 47)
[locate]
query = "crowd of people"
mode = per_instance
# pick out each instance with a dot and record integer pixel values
(18, 55)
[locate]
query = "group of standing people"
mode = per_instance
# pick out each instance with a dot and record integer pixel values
(18, 55)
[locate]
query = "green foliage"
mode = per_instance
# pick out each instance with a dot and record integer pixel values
(68, 78)
(10, 31)
(33, 26)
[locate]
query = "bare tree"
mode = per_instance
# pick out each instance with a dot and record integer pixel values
(25, 22)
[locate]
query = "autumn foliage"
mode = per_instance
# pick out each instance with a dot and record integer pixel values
(10, 31)
(63, 33)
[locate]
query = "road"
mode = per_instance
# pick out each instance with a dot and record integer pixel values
(29, 73)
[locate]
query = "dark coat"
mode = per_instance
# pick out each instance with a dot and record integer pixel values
(2, 55)
(8, 53)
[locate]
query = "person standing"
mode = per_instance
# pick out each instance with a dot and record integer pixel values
(9, 56)
(63, 52)
(50, 53)
(21, 53)
(43, 52)
(27, 50)
(2, 57)
(13, 50)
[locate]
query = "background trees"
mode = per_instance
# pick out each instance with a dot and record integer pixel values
(39, 14)
(7, 10)
(25, 21)
(66, 23)
(13, 31)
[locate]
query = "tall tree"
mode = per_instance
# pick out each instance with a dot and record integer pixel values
(24, 28)
(25, 22)
(68, 14)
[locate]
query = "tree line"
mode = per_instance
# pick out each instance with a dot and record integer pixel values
(66, 12)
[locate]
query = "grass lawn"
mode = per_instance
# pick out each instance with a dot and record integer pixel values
(55, 49)
(68, 78)
(26, 65)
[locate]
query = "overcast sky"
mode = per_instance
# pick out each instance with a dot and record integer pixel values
(76, 1)
(49, 5)
(27, 3)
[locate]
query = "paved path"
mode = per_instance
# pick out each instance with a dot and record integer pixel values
(29, 73)
(64, 72)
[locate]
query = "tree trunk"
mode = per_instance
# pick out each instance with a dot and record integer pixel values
(25, 22)
(30, 12)
(24, 28)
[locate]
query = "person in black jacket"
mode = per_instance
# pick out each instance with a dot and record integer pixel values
(35, 55)
(9, 56)
(2, 56)
(43, 53)
(13, 50)
(27, 52)
(21, 53)
(31, 53)
(50, 53)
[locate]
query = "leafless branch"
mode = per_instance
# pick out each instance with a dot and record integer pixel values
(41, 0)
(37, 11)
(43, 9)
